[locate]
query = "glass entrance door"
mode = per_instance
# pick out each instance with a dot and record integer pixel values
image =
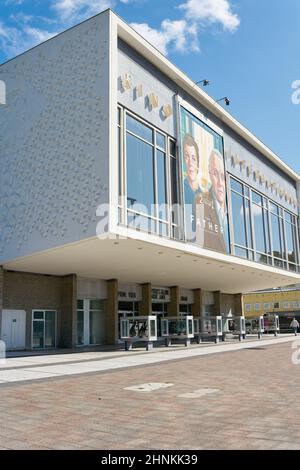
(43, 329)
(91, 322)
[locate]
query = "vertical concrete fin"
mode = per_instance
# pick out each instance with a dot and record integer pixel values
(173, 306)
(112, 311)
(145, 306)
(68, 320)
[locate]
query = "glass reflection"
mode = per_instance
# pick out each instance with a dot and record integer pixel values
(140, 173)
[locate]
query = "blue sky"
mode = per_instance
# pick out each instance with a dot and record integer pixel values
(249, 49)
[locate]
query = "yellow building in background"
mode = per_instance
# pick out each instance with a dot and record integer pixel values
(283, 302)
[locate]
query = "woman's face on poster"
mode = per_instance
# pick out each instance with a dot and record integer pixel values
(191, 162)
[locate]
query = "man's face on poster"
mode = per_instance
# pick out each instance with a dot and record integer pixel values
(217, 176)
(191, 162)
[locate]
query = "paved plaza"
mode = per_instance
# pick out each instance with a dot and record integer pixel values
(236, 399)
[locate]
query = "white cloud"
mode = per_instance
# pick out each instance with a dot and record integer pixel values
(15, 41)
(211, 11)
(182, 35)
(70, 10)
(36, 35)
(177, 35)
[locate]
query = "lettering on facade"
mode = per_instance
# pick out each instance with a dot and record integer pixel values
(167, 111)
(126, 82)
(139, 91)
(152, 98)
(260, 178)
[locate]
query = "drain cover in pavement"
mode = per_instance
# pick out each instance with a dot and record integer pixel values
(199, 393)
(149, 387)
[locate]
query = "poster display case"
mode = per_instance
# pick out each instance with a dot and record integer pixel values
(234, 326)
(255, 326)
(179, 328)
(208, 328)
(271, 324)
(138, 329)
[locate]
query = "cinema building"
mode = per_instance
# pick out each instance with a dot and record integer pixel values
(126, 189)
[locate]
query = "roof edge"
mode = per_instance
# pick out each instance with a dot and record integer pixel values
(153, 55)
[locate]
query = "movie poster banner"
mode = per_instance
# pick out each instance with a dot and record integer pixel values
(204, 184)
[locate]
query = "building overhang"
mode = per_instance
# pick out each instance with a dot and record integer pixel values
(138, 258)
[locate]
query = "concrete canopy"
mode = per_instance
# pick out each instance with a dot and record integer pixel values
(165, 264)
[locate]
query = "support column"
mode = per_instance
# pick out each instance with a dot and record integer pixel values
(238, 305)
(173, 306)
(145, 306)
(217, 303)
(112, 312)
(197, 305)
(68, 312)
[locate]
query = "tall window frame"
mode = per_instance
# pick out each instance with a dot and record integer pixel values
(158, 223)
(281, 247)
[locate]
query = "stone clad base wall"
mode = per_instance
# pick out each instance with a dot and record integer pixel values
(25, 291)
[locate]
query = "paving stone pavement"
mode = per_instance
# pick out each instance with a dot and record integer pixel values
(255, 406)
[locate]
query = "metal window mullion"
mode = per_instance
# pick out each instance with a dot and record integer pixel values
(177, 215)
(271, 234)
(179, 160)
(267, 221)
(252, 227)
(231, 221)
(154, 162)
(124, 167)
(230, 215)
(282, 236)
(297, 238)
(169, 186)
(264, 228)
(249, 225)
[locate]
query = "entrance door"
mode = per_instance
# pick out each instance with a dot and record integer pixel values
(91, 322)
(13, 328)
(43, 329)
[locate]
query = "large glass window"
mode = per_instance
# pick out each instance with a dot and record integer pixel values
(238, 213)
(277, 235)
(140, 175)
(162, 196)
(265, 232)
(148, 170)
(260, 226)
(240, 204)
(291, 239)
